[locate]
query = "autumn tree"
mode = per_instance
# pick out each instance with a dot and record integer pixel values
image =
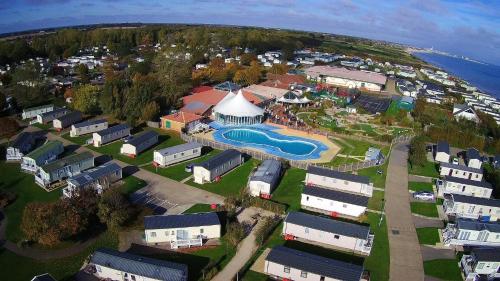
(150, 111)
(417, 155)
(8, 127)
(83, 72)
(3, 101)
(279, 69)
(114, 209)
(174, 77)
(86, 98)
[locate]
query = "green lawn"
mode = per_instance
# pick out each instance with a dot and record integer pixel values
(289, 190)
(131, 184)
(81, 140)
(428, 235)
(231, 183)
(21, 268)
(47, 126)
(199, 208)
(393, 109)
(378, 261)
(165, 139)
(375, 202)
(420, 186)
(255, 276)
(178, 172)
(377, 179)
(424, 209)
(429, 170)
(443, 269)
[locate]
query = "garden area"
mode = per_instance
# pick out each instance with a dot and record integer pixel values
(290, 188)
(420, 186)
(428, 235)
(443, 269)
(427, 209)
(428, 169)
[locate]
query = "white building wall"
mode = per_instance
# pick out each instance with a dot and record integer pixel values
(442, 157)
(74, 132)
(330, 206)
(128, 149)
(177, 157)
(13, 154)
(352, 83)
(467, 210)
(165, 235)
(113, 274)
(201, 175)
(445, 171)
(34, 113)
(474, 163)
(349, 186)
(469, 190)
(256, 188)
(277, 270)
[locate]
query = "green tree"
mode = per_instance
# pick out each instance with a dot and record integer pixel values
(3, 101)
(86, 98)
(417, 155)
(150, 111)
(83, 72)
(114, 209)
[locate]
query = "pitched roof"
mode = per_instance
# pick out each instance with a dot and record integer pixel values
(443, 146)
(38, 107)
(42, 150)
(476, 200)
(328, 225)
(239, 106)
(93, 174)
(142, 137)
(311, 169)
(142, 266)
(265, 91)
(43, 277)
(68, 160)
(267, 171)
(113, 129)
(487, 254)
(70, 115)
(336, 195)
(54, 112)
(89, 123)
(227, 86)
(179, 148)
(473, 153)
(219, 159)
(478, 225)
(315, 264)
(358, 75)
(283, 81)
(183, 117)
(180, 221)
(461, 167)
(483, 184)
(23, 139)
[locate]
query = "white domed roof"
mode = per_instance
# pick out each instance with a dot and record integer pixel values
(220, 104)
(237, 105)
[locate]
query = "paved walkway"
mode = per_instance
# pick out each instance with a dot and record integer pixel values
(432, 253)
(406, 258)
(427, 222)
(420, 178)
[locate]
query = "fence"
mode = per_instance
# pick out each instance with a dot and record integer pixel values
(297, 164)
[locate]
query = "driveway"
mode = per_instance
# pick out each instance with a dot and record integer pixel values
(406, 258)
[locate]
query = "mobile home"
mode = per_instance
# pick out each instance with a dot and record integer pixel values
(213, 168)
(47, 117)
(265, 179)
(110, 134)
(41, 156)
(460, 171)
(464, 187)
(30, 113)
(473, 158)
(462, 206)
(139, 143)
(467, 232)
(323, 177)
(442, 153)
(23, 144)
(333, 202)
(88, 127)
(175, 154)
(98, 178)
(481, 264)
(64, 168)
(66, 120)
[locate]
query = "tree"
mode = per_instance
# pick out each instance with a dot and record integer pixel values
(83, 72)
(246, 59)
(86, 98)
(3, 101)
(174, 76)
(114, 208)
(279, 69)
(235, 233)
(9, 127)
(417, 151)
(151, 111)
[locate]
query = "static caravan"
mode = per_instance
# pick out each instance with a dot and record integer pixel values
(114, 265)
(41, 156)
(464, 187)
(30, 113)
(323, 177)
(462, 206)
(265, 179)
(47, 117)
(66, 120)
(88, 127)
(176, 154)
(283, 263)
(110, 134)
(466, 232)
(213, 168)
(139, 143)
(473, 159)
(442, 153)
(333, 202)
(460, 171)
(185, 230)
(64, 168)
(98, 178)
(328, 233)
(481, 264)
(23, 144)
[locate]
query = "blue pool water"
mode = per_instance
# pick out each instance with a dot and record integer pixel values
(295, 147)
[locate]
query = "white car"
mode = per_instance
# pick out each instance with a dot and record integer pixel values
(424, 195)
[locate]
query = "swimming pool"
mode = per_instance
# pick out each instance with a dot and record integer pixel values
(289, 147)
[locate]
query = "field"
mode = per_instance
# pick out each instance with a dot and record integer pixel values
(289, 190)
(80, 140)
(420, 186)
(376, 201)
(376, 178)
(424, 209)
(428, 235)
(428, 170)
(443, 269)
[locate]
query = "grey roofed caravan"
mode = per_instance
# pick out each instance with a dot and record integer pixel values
(219, 159)
(461, 167)
(142, 137)
(311, 169)
(138, 265)
(473, 153)
(95, 173)
(267, 171)
(487, 254)
(180, 221)
(443, 146)
(328, 225)
(476, 200)
(179, 148)
(112, 129)
(478, 225)
(337, 195)
(89, 123)
(483, 183)
(331, 268)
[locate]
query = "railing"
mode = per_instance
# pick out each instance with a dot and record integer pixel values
(186, 243)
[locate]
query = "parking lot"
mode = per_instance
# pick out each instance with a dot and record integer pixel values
(152, 200)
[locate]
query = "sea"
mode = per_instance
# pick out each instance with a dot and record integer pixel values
(486, 77)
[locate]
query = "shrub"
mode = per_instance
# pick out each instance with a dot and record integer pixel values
(235, 233)
(269, 205)
(265, 229)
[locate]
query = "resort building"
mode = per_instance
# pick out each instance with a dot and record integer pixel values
(328, 233)
(30, 113)
(371, 81)
(185, 230)
(462, 206)
(460, 171)
(265, 91)
(293, 98)
(227, 86)
(110, 134)
(442, 152)
(481, 264)
(283, 81)
(283, 263)
(324, 177)
(139, 143)
(67, 120)
(181, 121)
(64, 168)
(473, 159)
(374, 154)
(463, 111)
(464, 187)
(23, 144)
(114, 265)
(88, 127)
(41, 156)
(466, 232)
(98, 178)
(265, 179)
(47, 117)
(236, 110)
(213, 168)
(333, 202)
(176, 154)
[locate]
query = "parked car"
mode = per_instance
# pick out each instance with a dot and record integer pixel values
(424, 195)
(455, 160)
(189, 168)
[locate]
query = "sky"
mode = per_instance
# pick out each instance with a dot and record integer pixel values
(469, 28)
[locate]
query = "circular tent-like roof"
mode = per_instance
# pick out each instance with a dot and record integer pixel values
(293, 98)
(237, 105)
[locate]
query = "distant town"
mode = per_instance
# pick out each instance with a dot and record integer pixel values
(191, 152)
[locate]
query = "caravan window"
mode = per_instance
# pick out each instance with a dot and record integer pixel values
(286, 269)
